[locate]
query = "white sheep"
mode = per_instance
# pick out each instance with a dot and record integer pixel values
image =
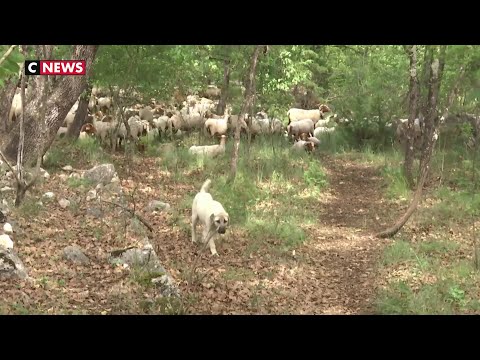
(217, 126)
(209, 150)
(104, 103)
(303, 145)
(295, 114)
(322, 130)
(62, 131)
(299, 127)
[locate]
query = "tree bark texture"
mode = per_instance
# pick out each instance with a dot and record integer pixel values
(65, 92)
(226, 84)
(413, 113)
(73, 130)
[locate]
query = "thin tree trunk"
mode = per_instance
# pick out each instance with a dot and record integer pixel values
(65, 92)
(226, 84)
(247, 104)
(413, 113)
(73, 130)
(430, 136)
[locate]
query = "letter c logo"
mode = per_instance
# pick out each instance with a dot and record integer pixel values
(32, 67)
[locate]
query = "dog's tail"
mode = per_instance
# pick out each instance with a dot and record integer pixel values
(206, 185)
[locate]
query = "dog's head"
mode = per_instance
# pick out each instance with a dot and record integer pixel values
(220, 221)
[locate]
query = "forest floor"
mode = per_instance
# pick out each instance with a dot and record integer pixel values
(299, 250)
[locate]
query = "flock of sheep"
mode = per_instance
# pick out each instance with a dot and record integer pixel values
(194, 112)
(103, 121)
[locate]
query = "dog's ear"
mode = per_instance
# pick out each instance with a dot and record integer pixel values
(212, 218)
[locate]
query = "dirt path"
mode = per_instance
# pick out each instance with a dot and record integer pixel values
(343, 247)
(331, 273)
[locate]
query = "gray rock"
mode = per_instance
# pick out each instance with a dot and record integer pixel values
(166, 285)
(95, 212)
(10, 265)
(64, 203)
(157, 205)
(92, 194)
(100, 174)
(67, 168)
(75, 254)
(147, 260)
(44, 174)
(113, 188)
(6, 189)
(49, 195)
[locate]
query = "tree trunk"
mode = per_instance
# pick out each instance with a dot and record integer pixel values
(6, 97)
(73, 130)
(65, 92)
(247, 104)
(226, 84)
(413, 113)
(430, 136)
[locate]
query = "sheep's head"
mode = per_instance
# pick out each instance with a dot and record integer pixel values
(324, 108)
(89, 129)
(309, 146)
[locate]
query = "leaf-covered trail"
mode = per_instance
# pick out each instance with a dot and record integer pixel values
(343, 246)
(333, 272)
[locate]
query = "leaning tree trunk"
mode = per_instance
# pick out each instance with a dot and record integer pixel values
(247, 104)
(6, 97)
(73, 130)
(413, 113)
(226, 84)
(65, 92)
(430, 136)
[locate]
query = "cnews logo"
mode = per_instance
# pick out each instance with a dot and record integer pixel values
(55, 67)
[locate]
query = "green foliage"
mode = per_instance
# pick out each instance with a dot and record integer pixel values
(315, 175)
(397, 186)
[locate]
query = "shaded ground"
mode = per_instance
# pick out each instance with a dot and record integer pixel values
(332, 272)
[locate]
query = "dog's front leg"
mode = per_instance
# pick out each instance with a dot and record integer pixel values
(211, 243)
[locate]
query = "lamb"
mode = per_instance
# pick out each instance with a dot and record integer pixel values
(301, 126)
(88, 129)
(209, 150)
(322, 130)
(322, 123)
(295, 114)
(260, 126)
(303, 145)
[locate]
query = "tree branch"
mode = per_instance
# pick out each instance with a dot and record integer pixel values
(9, 51)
